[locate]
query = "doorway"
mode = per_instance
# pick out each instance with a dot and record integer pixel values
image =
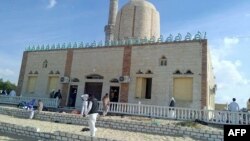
(94, 88)
(72, 96)
(114, 93)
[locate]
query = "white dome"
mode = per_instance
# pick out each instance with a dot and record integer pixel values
(137, 19)
(142, 3)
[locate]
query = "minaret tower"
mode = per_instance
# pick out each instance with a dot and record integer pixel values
(109, 29)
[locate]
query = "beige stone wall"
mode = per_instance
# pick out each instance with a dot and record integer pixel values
(182, 56)
(103, 61)
(56, 62)
(109, 62)
(211, 83)
(220, 106)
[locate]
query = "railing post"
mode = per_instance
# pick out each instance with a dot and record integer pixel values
(139, 105)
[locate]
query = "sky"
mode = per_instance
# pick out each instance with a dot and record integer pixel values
(25, 23)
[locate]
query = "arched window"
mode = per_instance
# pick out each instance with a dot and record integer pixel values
(57, 72)
(139, 72)
(189, 72)
(51, 72)
(75, 80)
(149, 72)
(177, 72)
(45, 64)
(114, 80)
(94, 76)
(163, 61)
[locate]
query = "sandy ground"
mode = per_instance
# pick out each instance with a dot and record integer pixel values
(101, 132)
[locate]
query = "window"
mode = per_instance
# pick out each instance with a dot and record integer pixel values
(143, 87)
(75, 80)
(177, 72)
(114, 80)
(53, 83)
(51, 72)
(189, 72)
(57, 72)
(149, 72)
(45, 64)
(139, 72)
(163, 61)
(183, 89)
(94, 76)
(31, 84)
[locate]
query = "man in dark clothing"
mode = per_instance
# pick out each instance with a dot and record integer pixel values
(58, 95)
(92, 114)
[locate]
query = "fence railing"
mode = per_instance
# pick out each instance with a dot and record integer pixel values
(48, 102)
(209, 116)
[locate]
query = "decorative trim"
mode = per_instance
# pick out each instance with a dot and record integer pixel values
(131, 41)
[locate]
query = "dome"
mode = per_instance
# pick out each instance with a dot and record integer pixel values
(142, 3)
(137, 19)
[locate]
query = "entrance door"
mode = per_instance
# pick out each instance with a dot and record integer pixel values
(114, 93)
(94, 88)
(72, 96)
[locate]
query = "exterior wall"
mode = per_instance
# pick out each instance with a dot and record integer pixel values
(182, 56)
(67, 71)
(220, 107)
(21, 74)
(125, 72)
(103, 61)
(113, 62)
(211, 83)
(56, 62)
(204, 75)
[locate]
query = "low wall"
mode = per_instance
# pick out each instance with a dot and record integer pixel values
(36, 134)
(119, 124)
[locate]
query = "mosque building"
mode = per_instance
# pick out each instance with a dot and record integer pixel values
(135, 64)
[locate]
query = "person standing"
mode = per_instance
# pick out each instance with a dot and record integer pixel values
(92, 114)
(84, 104)
(40, 106)
(58, 95)
(12, 93)
(52, 94)
(72, 98)
(105, 102)
(234, 107)
(172, 110)
(4, 92)
(248, 105)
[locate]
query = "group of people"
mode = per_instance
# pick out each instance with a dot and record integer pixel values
(12, 92)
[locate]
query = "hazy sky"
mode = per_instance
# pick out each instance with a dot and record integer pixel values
(226, 22)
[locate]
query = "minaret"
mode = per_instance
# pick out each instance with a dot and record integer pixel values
(109, 29)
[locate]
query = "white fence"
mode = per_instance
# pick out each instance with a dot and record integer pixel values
(209, 116)
(48, 102)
